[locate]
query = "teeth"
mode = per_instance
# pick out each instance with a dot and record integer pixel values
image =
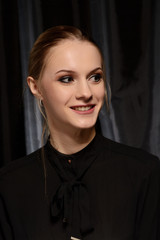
(82, 108)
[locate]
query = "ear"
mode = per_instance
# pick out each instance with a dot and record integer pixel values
(33, 85)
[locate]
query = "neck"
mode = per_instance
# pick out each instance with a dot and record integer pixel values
(73, 141)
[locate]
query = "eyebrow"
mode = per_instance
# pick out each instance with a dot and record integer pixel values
(64, 70)
(93, 71)
(70, 71)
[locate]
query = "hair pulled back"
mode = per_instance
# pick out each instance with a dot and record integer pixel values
(48, 39)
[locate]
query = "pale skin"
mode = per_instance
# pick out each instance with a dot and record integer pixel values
(72, 91)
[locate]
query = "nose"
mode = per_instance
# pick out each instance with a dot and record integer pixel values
(83, 91)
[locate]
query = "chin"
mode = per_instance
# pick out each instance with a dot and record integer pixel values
(86, 125)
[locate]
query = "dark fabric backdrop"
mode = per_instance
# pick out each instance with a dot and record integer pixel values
(12, 143)
(128, 34)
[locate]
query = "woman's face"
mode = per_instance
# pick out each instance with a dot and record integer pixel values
(72, 86)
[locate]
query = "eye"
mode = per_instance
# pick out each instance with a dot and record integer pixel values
(96, 77)
(66, 79)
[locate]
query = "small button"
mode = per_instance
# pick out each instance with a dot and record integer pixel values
(69, 161)
(64, 220)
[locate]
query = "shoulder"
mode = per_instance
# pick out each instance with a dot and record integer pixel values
(124, 153)
(128, 164)
(21, 179)
(21, 166)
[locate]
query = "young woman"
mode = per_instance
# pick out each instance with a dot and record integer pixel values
(80, 185)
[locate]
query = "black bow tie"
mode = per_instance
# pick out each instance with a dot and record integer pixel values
(71, 201)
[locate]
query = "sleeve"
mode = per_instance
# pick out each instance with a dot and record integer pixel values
(5, 226)
(148, 207)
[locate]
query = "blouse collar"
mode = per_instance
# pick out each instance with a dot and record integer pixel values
(71, 199)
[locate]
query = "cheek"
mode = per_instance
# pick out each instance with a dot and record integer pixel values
(100, 93)
(54, 96)
(49, 96)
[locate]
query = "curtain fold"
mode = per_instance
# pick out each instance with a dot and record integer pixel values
(128, 34)
(154, 131)
(30, 26)
(99, 29)
(12, 144)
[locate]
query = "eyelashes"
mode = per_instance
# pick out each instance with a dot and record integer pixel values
(97, 77)
(66, 79)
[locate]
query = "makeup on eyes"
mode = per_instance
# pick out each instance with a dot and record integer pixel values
(97, 73)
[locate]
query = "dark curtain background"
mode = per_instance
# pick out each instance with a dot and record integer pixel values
(128, 34)
(12, 143)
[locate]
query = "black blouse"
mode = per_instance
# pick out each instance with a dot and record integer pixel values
(106, 191)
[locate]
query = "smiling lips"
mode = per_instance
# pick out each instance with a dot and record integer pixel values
(84, 109)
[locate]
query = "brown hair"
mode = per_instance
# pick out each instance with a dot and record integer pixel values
(51, 38)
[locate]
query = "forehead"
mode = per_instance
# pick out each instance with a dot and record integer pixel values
(72, 52)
